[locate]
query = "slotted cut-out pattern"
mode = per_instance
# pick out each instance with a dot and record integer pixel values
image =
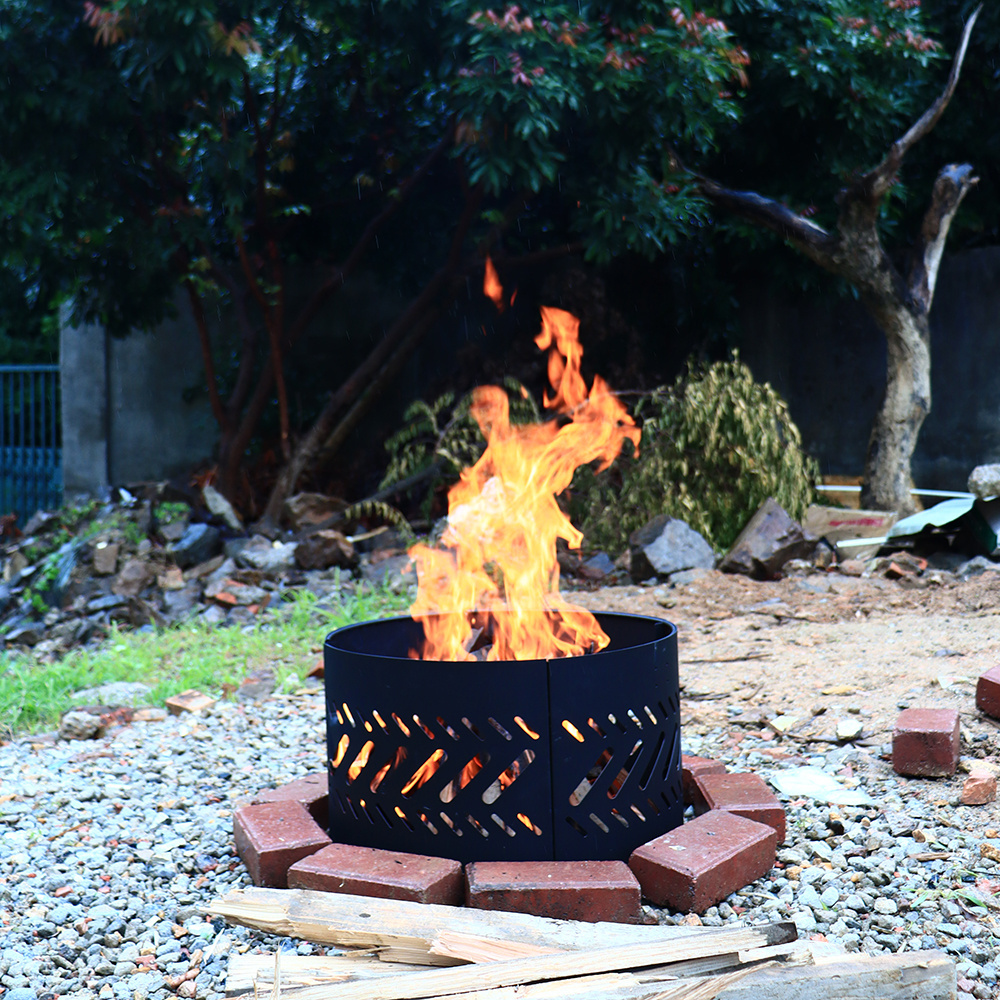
(508, 776)
(638, 783)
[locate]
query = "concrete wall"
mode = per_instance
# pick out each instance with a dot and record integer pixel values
(828, 360)
(129, 412)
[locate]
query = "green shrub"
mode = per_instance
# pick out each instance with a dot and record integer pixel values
(440, 439)
(715, 445)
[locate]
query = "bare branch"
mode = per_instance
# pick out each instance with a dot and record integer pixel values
(876, 182)
(206, 356)
(952, 185)
(812, 240)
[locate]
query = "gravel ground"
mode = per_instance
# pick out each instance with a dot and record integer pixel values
(109, 847)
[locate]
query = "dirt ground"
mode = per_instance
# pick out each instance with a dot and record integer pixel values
(825, 649)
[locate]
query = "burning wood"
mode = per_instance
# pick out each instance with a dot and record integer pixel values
(497, 565)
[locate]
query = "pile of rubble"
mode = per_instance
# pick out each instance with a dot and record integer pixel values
(154, 557)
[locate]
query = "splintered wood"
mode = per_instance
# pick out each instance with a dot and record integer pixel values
(409, 951)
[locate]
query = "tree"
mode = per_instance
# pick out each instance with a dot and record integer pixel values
(197, 144)
(898, 297)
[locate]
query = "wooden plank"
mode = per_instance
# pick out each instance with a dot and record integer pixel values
(341, 919)
(304, 970)
(910, 975)
(543, 968)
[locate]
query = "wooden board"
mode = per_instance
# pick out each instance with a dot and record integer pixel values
(341, 919)
(544, 968)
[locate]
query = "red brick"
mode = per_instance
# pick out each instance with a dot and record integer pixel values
(312, 791)
(744, 794)
(691, 768)
(272, 836)
(979, 788)
(925, 742)
(566, 890)
(368, 871)
(988, 692)
(703, 861)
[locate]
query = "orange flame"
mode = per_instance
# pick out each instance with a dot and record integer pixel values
(492, 288)
(498, 566)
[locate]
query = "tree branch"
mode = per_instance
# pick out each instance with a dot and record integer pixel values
(204, 340)
(809, 238)
(876, 182)
(952, 185)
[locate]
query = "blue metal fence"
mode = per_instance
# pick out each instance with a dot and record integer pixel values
(30, 440)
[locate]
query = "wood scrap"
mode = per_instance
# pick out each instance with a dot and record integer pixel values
(247, 972)
(342, 919)
(562, 966)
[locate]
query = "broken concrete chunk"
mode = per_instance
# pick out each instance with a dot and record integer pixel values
(667, 545)
(134, 578)
(105, 557)
(984, 481)
(849, 729)
(770, 539)
(325, 549)
(263, 554)
(80, 726)
(306, 510)
(221, 507)
(197, 545)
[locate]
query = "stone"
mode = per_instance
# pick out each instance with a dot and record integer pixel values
(172, 578)
(188, 701)
(325, 549)
(257, 686)
(180, 603)
(218, 505)
(369, 871)
(312, 791)
(394, 573)
(271, 557)
(691, 768)
(564, 890)
(667, 545)
(770, 539)
(742, 793)
(133, 579)
(115, 693)
(597, 567)
(306, 510)
(984, 481)
(988, 692)
(925, 742)
(980, 788)
(105, 558)
(198, 544)
(80, 726)
(231, 593)
(273, 836)
(703, 861)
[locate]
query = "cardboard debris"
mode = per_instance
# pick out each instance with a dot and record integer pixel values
(835, 524)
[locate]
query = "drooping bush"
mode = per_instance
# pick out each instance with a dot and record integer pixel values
(715, 445)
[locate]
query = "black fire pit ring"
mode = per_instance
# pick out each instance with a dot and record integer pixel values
(574, 758)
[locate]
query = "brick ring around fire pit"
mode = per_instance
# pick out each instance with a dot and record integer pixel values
(543, 776)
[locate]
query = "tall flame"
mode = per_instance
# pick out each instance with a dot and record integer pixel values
(497, 565)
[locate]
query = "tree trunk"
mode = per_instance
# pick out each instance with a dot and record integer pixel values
(888, 483)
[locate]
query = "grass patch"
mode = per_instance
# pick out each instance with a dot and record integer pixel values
(193, 655)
